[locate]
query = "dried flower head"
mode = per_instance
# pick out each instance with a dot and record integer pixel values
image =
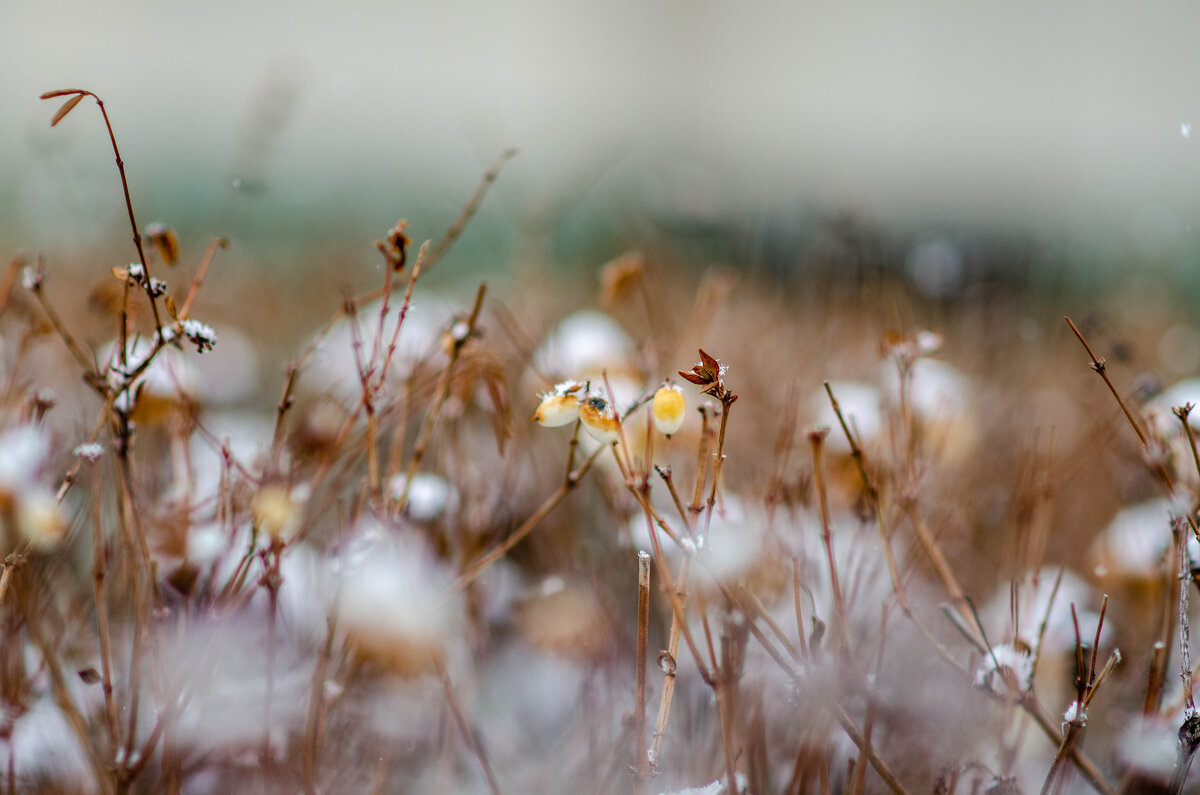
(710, 374)
(200, 334)
(599, 419)
(669, 408)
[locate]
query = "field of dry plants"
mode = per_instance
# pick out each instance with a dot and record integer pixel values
(677, 530)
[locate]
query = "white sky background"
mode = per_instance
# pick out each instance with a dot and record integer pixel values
(1022, 114)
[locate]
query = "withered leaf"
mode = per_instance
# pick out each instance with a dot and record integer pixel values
(66, 108)
(707, 372)
(699, 380)
(62, 92)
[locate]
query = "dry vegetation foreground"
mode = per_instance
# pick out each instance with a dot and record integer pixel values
(514, 543)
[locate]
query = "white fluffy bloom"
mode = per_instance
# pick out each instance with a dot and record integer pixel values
(394, 603)
(1004, 665)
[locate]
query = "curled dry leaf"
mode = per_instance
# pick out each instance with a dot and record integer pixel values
(706, 373)
(66, 108)
(62, 92)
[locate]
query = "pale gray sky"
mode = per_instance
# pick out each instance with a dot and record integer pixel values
(1053, 116)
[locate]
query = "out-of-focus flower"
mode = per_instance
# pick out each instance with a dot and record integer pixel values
(276, 510)
(430, 496)
(395, 605)
(27, 506)
(584, 345)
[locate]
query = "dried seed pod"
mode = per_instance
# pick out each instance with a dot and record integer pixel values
(559, 406)
(669, 408)
(599, 419)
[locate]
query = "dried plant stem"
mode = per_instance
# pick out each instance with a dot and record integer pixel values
(860, 766)
(137, 235)
(817, 440)
(543, 510)
(1028, 701)
(271, 581)
(1159, 663)
(642, 764)
(718, 462)
(62, 697)
(201, 272)
(60, 328)
(1185, 663)
(677, 604)
(464, 728)
(313, 722)
(668, 665)
(1098, 364)
(940, 565)
(443, 390)
(840, 714)
(470, 208)
(856, 452)
(99, 570)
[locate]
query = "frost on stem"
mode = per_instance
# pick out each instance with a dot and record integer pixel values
(89, 451)
(1074, 714)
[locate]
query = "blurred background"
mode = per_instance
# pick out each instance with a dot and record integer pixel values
(1054, 143)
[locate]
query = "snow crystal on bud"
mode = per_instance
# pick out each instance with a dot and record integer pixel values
(31, 279)
(89, 451)
(643, 555)
(201, 334)
(459, 331)
(136, 271)
(157, 287)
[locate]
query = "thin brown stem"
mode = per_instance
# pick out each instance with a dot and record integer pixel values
(642, 762)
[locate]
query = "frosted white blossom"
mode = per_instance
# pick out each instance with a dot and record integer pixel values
(89, 451)
(1006, 665)
(136, 271)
